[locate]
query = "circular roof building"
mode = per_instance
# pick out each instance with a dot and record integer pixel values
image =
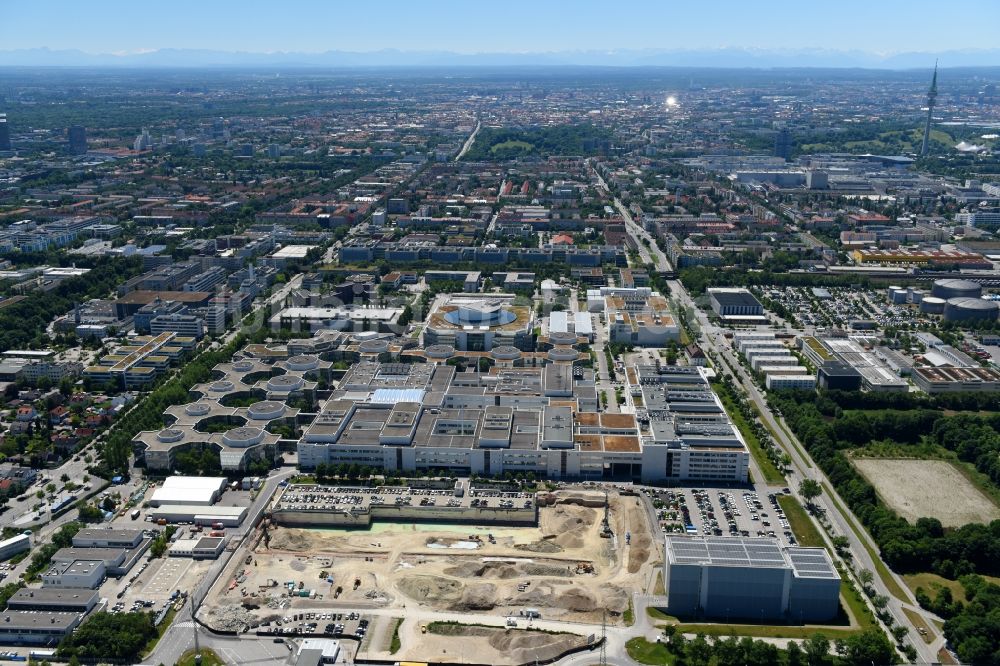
(243, 436)
(953, 288)
(932, 305)
(970, 309)
(480, 313)
(285, 383)
(302, 362)
(265, 410)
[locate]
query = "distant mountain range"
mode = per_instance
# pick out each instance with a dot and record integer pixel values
(722, 58)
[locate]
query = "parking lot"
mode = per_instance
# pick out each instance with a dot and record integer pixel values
(721, 512)
(316, 624)
(167, 577)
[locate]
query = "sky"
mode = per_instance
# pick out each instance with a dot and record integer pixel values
(512, 26)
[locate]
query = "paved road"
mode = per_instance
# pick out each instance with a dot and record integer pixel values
(468, 142)
(180, 636)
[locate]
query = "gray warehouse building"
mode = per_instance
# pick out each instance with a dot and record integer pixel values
(731, 578)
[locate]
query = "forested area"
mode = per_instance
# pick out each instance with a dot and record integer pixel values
(120, 636)
(829, 426)
(22, 324)
(509, 142)
(699, 278)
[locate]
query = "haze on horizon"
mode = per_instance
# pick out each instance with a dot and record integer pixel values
(254, 26)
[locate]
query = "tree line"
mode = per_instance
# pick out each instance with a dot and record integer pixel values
(829, 432)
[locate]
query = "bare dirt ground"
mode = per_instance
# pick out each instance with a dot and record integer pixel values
(927, 488)
(491, 645)
(439, 568)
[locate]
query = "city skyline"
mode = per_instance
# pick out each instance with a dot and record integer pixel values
(861, 34)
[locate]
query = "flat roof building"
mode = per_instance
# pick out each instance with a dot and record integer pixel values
(736, 578)
(53, 600)
(728, 302)
(96, 537)
(203, 490)
(36, 627)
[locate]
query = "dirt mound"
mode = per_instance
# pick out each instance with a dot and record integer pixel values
(528, 646)
(577, 600)
(502, 570)
(431, 588)
(291, 539)
(545, 545)
(579, 499)
(482, 596)
(615, 599)
(546, 570)
(638, 554)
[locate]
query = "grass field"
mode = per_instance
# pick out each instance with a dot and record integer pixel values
(645, 652)
(803, 528)
(881, 570)
(395, 643)
(767, 468)
(512, 145)
(208, 658)
(917, 620)
(658, 588)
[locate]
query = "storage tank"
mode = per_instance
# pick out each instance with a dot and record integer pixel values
(970, 309)
(897, 296)
(916, 296)
(932, 305)
(954, 288)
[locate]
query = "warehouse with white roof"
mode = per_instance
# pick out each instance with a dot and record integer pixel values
(201, 490)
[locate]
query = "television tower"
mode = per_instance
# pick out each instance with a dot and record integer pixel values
(931, 97)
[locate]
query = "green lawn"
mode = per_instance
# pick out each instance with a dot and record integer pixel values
(208, 658)
(917, 620)
(629, 615)
(803, 527)
(767, 468)
(512, 145)
(645, 652)
(932, 583)
(395, 644)
(880, 569)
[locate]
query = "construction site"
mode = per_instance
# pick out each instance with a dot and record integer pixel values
(580, 565)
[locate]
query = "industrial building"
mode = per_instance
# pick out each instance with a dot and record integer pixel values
(735, 305)
(53, 600)
(955, 288)
(202, 490)
(201, 548)
(14, 545)
(970, 309)
(736, 578)
(36, 627)
(95, 537)
(197, 514)
(87, 574)
(945, 379)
